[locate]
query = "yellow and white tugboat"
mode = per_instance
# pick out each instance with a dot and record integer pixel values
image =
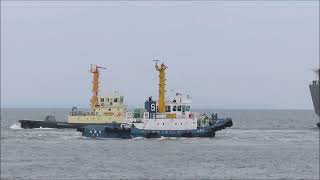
(104, 110)
(167, 118)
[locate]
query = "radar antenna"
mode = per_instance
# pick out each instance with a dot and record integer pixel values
(156, 60)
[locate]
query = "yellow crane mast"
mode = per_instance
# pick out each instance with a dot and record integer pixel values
(95, 84)
(162, 91)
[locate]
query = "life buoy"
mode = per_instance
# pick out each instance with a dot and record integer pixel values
(102, 104)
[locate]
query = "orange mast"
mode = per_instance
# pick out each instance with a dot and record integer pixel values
(95, 84)
(162, 90)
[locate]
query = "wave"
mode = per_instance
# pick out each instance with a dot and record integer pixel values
(167, 138)
(163, 138)
(43, 128)
(16, 126)
(138, 138)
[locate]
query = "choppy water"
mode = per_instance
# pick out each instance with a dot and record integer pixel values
(262, 144)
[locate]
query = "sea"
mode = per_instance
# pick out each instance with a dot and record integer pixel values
(262, 144)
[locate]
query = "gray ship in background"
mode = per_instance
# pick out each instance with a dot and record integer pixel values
(315, 94)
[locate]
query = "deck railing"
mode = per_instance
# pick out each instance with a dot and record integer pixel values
(81, 113)
(147, 115)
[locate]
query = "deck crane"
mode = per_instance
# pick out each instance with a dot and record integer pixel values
(95, 84)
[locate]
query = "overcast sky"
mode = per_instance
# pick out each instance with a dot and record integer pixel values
(224, 54)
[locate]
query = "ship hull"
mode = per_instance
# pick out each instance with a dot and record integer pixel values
(31, 124)
(106, 131)
(314, 91)
(122, 133)
(119, 131)
(200, 132)
(315, 95)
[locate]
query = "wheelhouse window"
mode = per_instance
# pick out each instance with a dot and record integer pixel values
(179, 108)
(174, 108)
(183, 108)
(187, 108)
(107, 99)
(121, 99)
(101, 99)
(115, 100)
(168, 108)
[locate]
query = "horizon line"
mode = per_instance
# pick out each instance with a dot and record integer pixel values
(195, 108)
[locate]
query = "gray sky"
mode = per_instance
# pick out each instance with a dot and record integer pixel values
(225, 54)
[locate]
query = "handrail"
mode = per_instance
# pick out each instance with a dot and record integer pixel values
(164, 116)
(129, 115)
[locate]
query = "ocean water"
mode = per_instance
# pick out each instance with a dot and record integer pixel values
(262, 144)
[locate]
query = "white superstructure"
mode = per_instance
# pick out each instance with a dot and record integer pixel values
(176, 117)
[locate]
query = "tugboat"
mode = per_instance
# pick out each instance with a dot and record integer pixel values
(104, 110)
(162, 118)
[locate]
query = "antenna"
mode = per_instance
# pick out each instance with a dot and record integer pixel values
(315, 70)
(156, 60)
(101, 67)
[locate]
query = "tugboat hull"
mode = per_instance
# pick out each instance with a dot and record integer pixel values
(30, 124)
(98, 131)
(119, 131)
(201, 132)
(106, 131)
